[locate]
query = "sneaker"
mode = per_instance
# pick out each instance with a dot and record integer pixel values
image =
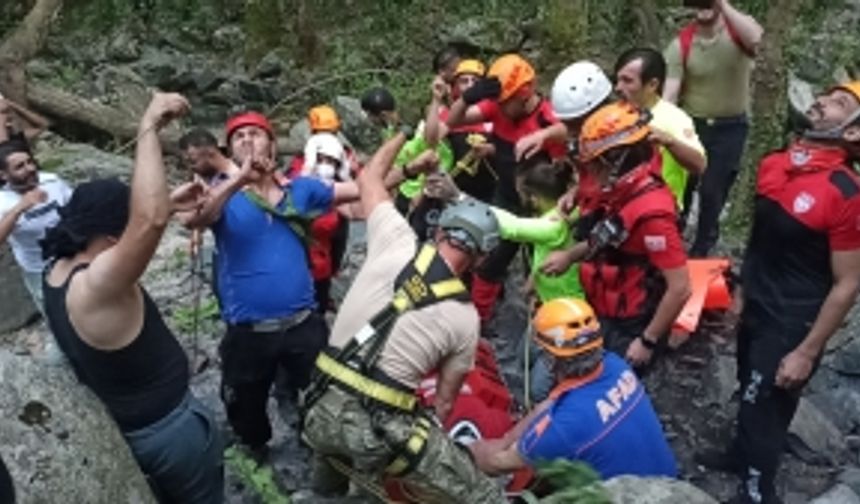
(718, 460)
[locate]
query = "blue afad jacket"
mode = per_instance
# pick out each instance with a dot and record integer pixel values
(605, 420)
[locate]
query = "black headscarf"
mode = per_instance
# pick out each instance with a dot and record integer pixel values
(97, 208)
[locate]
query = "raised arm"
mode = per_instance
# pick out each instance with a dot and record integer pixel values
(115, 272)
(371, 182)
(434, 129)
(749, 30)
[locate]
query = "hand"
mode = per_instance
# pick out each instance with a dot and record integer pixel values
(557, 262)
(567, 202)
(484, 150)
(441, 186)
(440, 89)
(164, 108)
(660, 137)
(189, 196)
(32, 198)
(426, 162)
(794, 370)
(529, 145)
(637, 354)
(487, 88)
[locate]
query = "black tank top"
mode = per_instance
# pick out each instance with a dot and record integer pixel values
(140, 383)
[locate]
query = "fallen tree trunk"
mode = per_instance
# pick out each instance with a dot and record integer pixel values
(67, 106)
(21, 45)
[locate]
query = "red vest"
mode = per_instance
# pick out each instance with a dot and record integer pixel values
(620, 283)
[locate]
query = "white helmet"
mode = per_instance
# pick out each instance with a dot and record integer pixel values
(328, 145)
(579, 89)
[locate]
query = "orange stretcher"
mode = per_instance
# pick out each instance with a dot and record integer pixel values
(710, 292)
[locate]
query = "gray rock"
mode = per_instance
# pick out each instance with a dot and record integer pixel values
(354, 124)
(228, 37)
(851, 478)
(723, 379)
(59, 442)
(255, 92)
(633, 490)
(270, 66)
(840, 494)
(124, 48)
(847, 359)
(17, 307)
(813, 437)
(81, 162)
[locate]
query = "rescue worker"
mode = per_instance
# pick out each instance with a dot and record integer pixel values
(406, 314)
(599, 413)
(112, 331)
(710, 64)
(800, 277)
(577, 92)
(508, 99)
(635, 275)
(253, 214)
(639, 77)
(445, 63)
(324, 119)
(381, 108)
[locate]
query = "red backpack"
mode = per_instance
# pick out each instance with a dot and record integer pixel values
(686, 35)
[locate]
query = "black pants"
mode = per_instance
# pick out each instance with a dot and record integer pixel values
(618, 333)
(7, 489)
(724, 141)
(765, 410)
(322, 294)
(250, 360)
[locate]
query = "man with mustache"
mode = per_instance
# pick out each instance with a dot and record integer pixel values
(800, 277)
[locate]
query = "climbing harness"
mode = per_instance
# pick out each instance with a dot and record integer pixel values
(470, 163)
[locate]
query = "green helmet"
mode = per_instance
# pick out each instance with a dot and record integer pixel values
(471, 222)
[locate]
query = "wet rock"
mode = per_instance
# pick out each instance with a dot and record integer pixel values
(228, 37)
(813, 437)
(58, 440)
(722, 381)
(846, 361)
(124, 48)
(17, 307)
(255, 92)
(840, 494)
(270, 66)
(633, 490)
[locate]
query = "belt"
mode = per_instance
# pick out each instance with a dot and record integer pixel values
(276, 325)
(718, 121)
(354, 381)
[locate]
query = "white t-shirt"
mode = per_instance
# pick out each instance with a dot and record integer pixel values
(32, 224)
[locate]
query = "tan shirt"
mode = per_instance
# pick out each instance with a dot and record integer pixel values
(443, 335)
(716, 81)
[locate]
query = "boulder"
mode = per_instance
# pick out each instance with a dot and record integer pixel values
(813, 437)
(124, 48)
(81, 162)
(270, 66)
(722, 381)
(851, 478)
(846, 360)
(354, 124)
(840, 494)
(59, 442)
(633, 490)
(17, 307)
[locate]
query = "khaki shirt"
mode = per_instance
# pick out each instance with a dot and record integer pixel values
(716, 81)
(443, 335)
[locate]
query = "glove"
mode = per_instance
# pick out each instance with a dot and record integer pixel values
(489, 88)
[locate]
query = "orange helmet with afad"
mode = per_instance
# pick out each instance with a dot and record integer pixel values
(513, 72)
(323, 118)
(567, 327)
(470, 66)
(611, 126)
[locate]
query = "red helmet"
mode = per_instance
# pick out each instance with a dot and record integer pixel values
(248, 119)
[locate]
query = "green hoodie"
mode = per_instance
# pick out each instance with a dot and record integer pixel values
(547, 233)
(414, 148)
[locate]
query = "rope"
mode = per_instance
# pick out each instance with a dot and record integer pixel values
(360, 480)
(527, 400)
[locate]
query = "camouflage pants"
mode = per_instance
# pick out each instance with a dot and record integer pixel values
(338, 426)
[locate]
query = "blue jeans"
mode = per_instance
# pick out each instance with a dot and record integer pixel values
(724, 141)
(182, 455)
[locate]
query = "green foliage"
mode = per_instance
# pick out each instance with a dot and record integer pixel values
(571, 482)
(259, 478)
(205, 316)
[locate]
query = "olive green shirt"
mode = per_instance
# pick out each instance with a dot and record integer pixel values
(716, 80)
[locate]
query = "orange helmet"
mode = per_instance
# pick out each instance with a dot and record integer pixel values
(567, 327)
(323, 119)
(513, 73)
(851, 87)
(470, 66)
(612, 126)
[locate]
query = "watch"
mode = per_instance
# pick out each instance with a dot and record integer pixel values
(650, 345)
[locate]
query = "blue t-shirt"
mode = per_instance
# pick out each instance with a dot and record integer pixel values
(608, 423)
(262, 264)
